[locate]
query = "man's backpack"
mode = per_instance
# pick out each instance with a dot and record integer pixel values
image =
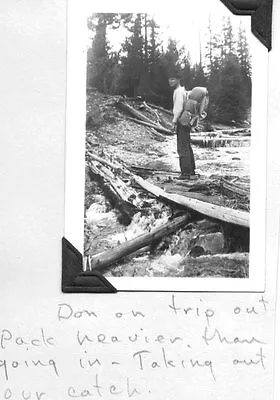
(195, 106)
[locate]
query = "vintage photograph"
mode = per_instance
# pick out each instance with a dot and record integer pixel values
(167, 144)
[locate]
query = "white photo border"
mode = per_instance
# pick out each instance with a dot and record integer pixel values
(75, 160)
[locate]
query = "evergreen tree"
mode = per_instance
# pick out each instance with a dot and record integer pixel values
(199, 78)
(214, 60)
(244, 59)
(228, 43)
(144, 84)
(170, 60)
(133, 63)
(231, 102)
(155, 71)
(99, 55)
(209, 55)
(243, 53)
(154, 43)
(187, 73)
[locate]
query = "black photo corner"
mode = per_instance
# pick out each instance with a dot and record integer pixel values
(74, 279)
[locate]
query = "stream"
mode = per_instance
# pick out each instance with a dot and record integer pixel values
(232, 160)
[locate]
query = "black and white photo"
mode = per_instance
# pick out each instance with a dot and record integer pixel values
(168, 147)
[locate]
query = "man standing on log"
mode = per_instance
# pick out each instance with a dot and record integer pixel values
(182, 129)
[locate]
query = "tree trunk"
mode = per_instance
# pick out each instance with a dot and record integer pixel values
(225, 214)
(160, 109)
(217, 141)
(150, 125)
(102, 261)
(235, 189)
(137, 114)
(125, 193)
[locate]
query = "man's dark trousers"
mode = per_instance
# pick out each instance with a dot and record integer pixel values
(185, 152)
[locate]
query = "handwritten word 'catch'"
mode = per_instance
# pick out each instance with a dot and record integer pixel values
(99, 389)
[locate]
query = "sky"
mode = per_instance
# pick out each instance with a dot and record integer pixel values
(186, 21)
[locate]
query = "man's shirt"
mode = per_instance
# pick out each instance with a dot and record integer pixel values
(179, 97)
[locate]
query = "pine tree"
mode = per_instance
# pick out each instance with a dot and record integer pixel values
(144, 84)
(199, 78)
(155, 71)
(209, 56)
(243, 53)
(228, 38)
(98, 69)
(244, 58)
(154, 43)
(132, 61)
(214, 59)
(170, 60)
(187, 73)
(231, 101)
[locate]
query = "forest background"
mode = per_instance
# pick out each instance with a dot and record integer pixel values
(141, 64)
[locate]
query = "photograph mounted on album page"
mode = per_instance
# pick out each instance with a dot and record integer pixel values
(165, 148)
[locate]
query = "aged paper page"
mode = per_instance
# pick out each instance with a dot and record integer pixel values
(56, 346)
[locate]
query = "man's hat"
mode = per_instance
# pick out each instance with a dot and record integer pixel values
(174, 72)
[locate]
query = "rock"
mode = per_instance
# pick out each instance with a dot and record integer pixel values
(211, 243)
(235, 265)
(208, 226)
(196, 251)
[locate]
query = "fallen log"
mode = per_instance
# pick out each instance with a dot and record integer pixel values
(246, 131)
(151, 110)
(222, 133)
(181, 190)
(102, 261)
(218, 141)
(160, 109)
(138, 115)
(125, 193)
(158, 136)
(160, 120)
(234, 188)
(125, 210)
(148, 170)
(121, 196)
(225, 214)
(115, 166)
(149, 125)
